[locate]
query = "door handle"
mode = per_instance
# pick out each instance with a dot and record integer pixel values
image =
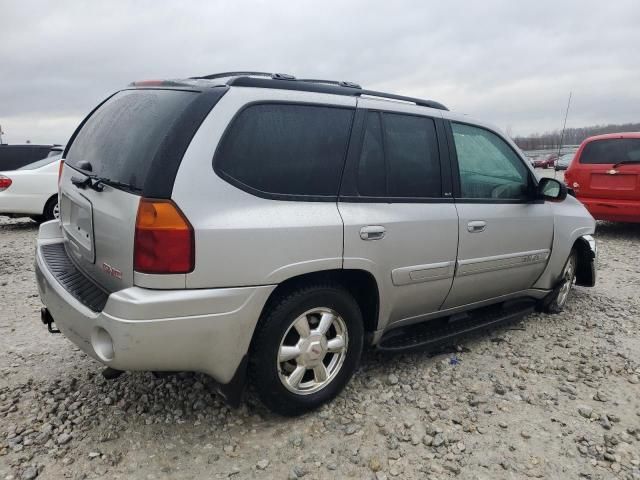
(372, 232)
(476, 226)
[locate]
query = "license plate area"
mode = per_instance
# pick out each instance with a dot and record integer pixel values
(76, 216)
(606, 181)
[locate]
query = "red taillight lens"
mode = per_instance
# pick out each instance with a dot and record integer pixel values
(5, 182)
(164, 241)
(60, 171)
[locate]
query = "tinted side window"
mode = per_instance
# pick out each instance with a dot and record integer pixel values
(489, 168)
(399, 157)
(614, 150)
(372, 179)
(286, 149)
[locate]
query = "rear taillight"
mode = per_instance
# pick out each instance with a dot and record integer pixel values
(60, 171)
(164, 241)
(5, 182)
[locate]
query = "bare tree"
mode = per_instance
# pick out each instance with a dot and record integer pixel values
(572, 136)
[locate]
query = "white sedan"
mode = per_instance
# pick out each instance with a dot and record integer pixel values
(31, 191)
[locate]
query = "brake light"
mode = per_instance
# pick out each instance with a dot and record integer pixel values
(164, 240)
(5, 182)
(60, 167)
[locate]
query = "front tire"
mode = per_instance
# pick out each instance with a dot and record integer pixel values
(306, 348)
(560, 296)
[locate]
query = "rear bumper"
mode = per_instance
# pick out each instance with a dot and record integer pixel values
(612, 210)
(204, 330)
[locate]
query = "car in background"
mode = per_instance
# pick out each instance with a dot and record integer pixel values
(547, 161)
(605, 176)
(31, 191)
(13, 157)
(564, 161)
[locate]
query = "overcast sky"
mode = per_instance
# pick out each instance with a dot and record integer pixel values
(509, 62)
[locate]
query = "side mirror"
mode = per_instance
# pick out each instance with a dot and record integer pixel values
(552, 189)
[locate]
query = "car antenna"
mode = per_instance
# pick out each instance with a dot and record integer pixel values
(566, 114)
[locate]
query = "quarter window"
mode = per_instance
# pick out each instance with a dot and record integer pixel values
(489, 168)
(286, 149)
(399, 157)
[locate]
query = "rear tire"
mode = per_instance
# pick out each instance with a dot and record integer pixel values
(306, 348)
(559, 297)
(51, 209)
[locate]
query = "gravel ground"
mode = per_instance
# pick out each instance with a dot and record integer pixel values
(554, 397)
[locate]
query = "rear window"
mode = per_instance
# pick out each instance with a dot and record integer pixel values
(286, 149)
(614, 150)
(122, 137)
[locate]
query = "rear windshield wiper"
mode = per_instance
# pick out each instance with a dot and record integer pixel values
(97, 183)
(624, 162)
(115, 183)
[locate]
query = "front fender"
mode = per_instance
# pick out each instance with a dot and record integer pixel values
(571, 222)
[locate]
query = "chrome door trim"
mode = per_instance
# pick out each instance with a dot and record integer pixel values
(476, 226)
(422, 273)
(500, 262)
(372, 232)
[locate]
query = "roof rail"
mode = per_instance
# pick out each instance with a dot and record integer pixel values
(392, 96)
(331, 82)
(327, 86)
(280, 76)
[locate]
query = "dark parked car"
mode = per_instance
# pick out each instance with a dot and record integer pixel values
(13, 157)
(564, 161)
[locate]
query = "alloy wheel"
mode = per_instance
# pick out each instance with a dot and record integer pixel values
(312, 351)
(568, 276)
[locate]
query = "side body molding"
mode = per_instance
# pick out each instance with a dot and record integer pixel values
(500, 262)
(422, 273)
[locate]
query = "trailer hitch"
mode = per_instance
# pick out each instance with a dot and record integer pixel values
(47, 319)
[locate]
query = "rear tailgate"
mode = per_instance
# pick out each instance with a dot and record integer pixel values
(600, 173)
(117, 142)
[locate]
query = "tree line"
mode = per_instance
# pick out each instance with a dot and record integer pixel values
(572, 136)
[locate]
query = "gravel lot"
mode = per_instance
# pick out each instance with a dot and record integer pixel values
(549, 397)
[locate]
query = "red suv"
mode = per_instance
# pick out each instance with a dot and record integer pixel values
(605, 176)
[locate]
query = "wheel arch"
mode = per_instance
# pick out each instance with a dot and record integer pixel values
(359, 283)
(52, 197)
(585, 268)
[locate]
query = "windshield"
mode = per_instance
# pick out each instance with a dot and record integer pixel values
(41, 163)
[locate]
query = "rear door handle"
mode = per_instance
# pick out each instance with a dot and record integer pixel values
(476, 226)
(372, 232)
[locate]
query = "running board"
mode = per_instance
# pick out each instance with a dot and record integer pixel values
(436, 332)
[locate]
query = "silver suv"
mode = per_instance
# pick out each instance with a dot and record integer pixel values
(263, 226)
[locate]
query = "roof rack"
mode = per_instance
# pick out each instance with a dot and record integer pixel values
(279, 76)
(331, 82)
(327, 86)
(283, 81)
